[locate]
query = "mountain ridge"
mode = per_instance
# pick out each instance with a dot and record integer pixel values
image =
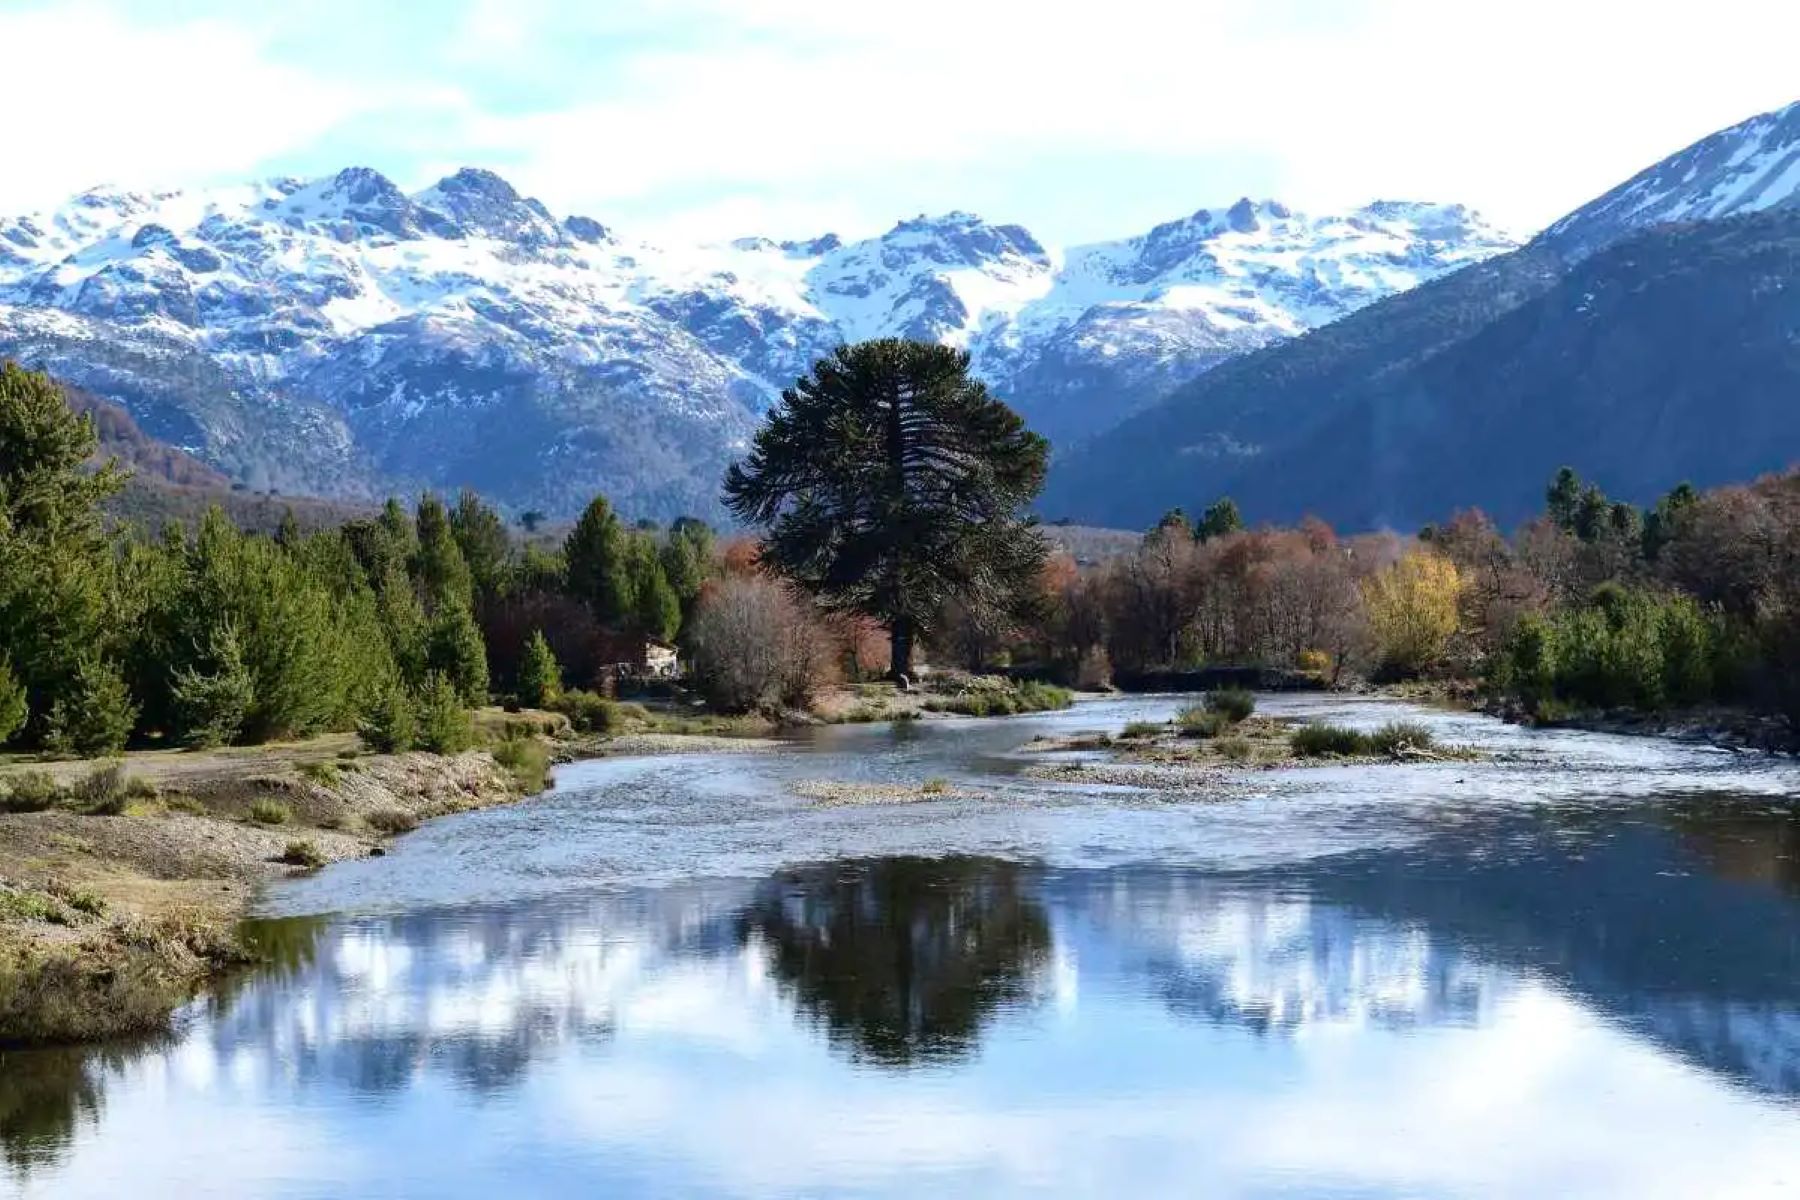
(1647, 338)
(341, 336)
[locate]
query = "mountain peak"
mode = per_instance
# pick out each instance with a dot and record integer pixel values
(1749, 167)
(479, 202)
(964, 239)
(477, 181)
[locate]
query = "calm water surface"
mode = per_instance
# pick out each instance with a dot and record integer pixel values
(1571, 971)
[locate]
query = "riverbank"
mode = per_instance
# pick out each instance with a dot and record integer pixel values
(122, 893)
(1720, 726)
(122, 881)
(1733, 729)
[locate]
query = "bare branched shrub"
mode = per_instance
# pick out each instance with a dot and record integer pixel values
(755, 646)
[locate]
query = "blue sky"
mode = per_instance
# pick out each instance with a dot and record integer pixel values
(718, 118)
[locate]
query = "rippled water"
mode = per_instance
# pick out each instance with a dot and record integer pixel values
(1574, 970)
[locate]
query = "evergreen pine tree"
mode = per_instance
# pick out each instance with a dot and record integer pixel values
(441, 723)
(438, 568)
(596, 553)
(287, 534)
(12, 703)
(891, 482)
(655, 609)
(687, 556)
(403, 621)
(481, 536)
(1662, 522)
(397, 523)
(1176, 520)
(389, 723)
(213, 697)
(456, 652)
(55, 564)
(93, 714)
(1562, 499)
(540, 678)
(1220, 518)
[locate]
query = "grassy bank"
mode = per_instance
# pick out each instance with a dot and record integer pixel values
(1224, 732)
(940, 694)
(121, 883)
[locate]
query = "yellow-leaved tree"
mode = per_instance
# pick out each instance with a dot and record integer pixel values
(1413, 608)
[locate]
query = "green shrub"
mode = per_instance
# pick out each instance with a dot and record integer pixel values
(392, 821)
(527, 760)
(1525, 668)
(1624, 648)
(443, 722)
(88, 904)
(29, 791)
(183, 804)
(1034, 696)
(590, 712)
(1397, 736)
(270, 812)
(303, 853)
(16, 905)
(1609, 654)
(107, 790)
(1234, 704)
(1199, 721)
(937, 785)
(1143, 729)
(323, 773)
(985, 697)
(1322, 741)
(389, 725)
(1236, 749)
(1690, 651)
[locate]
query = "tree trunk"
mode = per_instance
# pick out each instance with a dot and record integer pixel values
(900, 644)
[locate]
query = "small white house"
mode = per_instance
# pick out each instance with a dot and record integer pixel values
(660, 661)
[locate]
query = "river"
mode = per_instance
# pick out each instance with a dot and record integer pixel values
(1571, 970)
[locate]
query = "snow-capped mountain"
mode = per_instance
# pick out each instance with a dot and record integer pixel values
(1750, 167)
(339, 335)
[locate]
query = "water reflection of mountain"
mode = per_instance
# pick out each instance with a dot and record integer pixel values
(476, 995)
(1271, 959)
(1679, 920)
(903, 960)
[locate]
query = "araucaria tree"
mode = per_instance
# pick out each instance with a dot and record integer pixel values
(892, 483)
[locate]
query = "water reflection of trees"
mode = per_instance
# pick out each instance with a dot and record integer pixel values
(904, 960)
(1743, 840)
(46, 1094)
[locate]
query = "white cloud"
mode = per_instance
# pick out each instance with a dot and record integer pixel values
(96, 99)
(1524, 109)
(786, 117)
